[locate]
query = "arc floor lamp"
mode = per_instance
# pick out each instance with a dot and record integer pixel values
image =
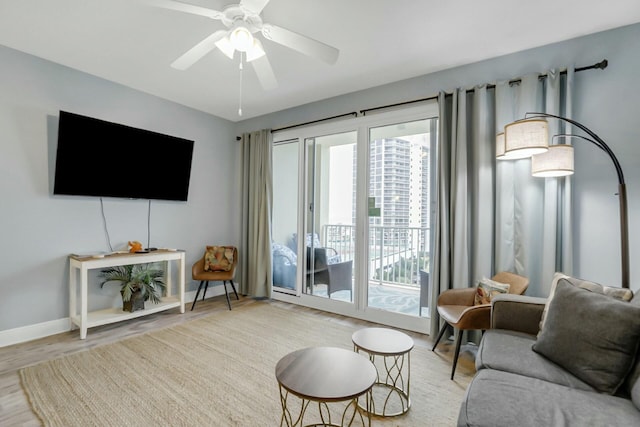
(529, 137)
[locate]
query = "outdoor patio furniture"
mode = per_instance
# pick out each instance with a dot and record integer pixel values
(328, 268)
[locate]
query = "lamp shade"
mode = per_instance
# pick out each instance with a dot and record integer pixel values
(225, 46)
(557, 161)
(256, 51)
(525, 138)
(500, 146)
(241, 38)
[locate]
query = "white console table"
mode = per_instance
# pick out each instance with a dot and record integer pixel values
(80, 266)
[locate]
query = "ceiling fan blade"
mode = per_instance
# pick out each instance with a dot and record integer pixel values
(263, 70)
(194, 54)
(254, 5)
(185, 7)
(302, 44)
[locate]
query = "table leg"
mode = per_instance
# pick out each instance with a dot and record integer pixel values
(369, 397)
(352, 415)
(394, 380)
(357, 412)
(83, 302)
(181, 279)
(167, 279)
(287, 418)
(73, 289)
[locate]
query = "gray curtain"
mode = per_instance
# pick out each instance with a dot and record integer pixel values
(533, 232)
(257, 194)
(493, 215)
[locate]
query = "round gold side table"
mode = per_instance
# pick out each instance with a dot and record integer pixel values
(323, 375)
(393, 349)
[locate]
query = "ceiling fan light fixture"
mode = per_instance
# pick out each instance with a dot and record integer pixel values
(225, 46)
(241, 38)
(242, 21)
(256, 51)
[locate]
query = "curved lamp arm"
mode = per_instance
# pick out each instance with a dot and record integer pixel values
(596, 139)
(622, 190)
(570, 135)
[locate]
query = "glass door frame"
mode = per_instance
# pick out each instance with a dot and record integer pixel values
(362, 125)
(299, 215)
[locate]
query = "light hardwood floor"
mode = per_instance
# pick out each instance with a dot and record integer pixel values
(15, 409)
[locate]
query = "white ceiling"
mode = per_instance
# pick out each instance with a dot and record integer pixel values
(380, 41)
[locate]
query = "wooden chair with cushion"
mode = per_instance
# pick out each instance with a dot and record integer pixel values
(216, 265)
(457, 309)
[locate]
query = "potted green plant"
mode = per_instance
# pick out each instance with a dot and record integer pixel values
(139, 283)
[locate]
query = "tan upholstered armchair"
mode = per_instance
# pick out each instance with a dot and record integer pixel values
(457, 309)
(198, 273)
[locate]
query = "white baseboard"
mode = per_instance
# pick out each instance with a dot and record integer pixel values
(40, 330)
(33, 332)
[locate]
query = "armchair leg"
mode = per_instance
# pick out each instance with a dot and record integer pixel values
(206, 286)
(440, 334)
(197, 293)
(226, 294)
(459, 334)
(233, 286)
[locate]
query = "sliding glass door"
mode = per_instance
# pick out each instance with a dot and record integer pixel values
(399, 211)
(363, 207)
(284, 223)
(330, 238)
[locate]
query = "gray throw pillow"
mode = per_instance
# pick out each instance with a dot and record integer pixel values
(593, 336)
(633, 383)
(617, 293)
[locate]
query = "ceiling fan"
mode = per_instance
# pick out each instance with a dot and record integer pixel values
(243, 21)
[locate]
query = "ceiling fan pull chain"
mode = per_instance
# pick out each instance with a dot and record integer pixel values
(240, 95)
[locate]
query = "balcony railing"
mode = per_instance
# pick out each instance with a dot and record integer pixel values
(396, 254)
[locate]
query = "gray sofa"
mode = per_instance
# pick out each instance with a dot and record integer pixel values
(517, 386)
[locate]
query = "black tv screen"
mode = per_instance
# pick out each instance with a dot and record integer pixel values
(105, 159)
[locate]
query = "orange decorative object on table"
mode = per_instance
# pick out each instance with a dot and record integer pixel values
(135, 246)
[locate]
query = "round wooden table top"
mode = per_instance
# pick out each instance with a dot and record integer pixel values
(382, 341)
(325, 374)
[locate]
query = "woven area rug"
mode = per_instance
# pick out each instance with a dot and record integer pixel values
(215, 371)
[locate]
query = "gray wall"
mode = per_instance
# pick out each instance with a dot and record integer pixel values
(607, 102)
(38, 230)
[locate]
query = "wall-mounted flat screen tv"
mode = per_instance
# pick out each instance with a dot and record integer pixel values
(104, 159)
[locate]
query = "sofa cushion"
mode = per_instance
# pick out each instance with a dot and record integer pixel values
(591, 335)
(497, 398)
(511, 351)
(617, 293)
(218, 258)
(633, 379)
(311, 239)
(633, 383)
(284, 266)
(288, 256)
(517, 313)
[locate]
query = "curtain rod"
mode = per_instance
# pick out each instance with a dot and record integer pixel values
(353, 113)
(600, 66)
(597, 66)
